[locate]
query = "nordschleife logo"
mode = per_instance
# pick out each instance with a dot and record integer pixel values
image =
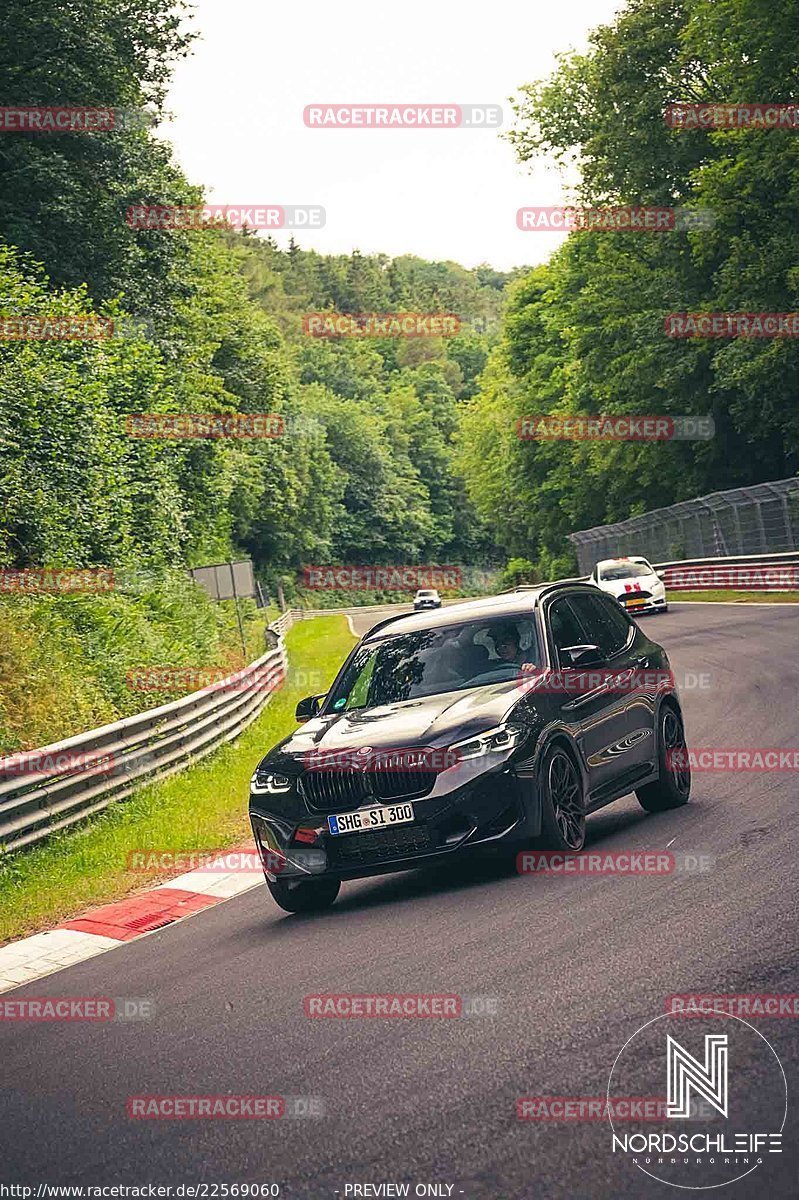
(724, 1101)
(685, 1075)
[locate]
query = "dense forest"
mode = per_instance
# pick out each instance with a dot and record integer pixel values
(205, 321)
(584, 334)
(396, 450)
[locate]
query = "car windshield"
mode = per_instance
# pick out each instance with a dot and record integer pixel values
(431, 661)
(428, 593)
(624, 571)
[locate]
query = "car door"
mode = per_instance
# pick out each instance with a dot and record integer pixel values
(621, 746)
(597, 703)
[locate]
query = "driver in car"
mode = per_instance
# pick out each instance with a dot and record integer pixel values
(506, 643)
(508, 646)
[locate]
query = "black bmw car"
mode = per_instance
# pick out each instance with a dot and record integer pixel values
(499, 721)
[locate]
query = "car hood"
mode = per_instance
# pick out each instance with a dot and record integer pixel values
(433, 721)
(621, 587)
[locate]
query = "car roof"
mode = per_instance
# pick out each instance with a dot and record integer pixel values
(509, 604)
(618, 562)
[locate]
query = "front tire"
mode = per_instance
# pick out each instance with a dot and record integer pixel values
(562, 806)
(673, 787)
(304, 896)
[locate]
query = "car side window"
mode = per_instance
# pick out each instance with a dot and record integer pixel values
(359, 695)
(564, 625)
(604, 622)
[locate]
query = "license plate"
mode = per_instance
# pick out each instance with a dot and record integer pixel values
(370, 818)
(636, 603)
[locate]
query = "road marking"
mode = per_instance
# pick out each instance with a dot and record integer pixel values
(122, 921)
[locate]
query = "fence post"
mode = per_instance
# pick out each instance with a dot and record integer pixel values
(761, 526)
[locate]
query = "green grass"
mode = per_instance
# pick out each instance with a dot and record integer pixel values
(65, 659)
(739, 597)
(201, 809)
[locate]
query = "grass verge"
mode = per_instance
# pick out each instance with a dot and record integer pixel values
(71, 662)
(202, 809)
(738, 597)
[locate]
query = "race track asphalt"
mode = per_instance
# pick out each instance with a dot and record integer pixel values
(576, 965)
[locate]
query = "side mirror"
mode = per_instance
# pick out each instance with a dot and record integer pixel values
(660, 574)
(308, 707)
(582, 656)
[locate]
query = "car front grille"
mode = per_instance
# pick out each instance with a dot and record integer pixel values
(340, 789)
(379, 846)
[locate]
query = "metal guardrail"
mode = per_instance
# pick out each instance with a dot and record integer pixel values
(291, 615)
(48, 789)
(285, 621)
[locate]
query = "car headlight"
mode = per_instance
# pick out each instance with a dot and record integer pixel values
(269, 783)
(494, 741)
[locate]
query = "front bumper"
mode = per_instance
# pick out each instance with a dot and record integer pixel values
(650, 604)
(488, 809)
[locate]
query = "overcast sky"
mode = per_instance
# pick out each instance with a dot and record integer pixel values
(442, 194)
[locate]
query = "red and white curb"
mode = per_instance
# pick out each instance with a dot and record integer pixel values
(113, 925)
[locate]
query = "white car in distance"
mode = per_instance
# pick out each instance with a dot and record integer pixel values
(634, 582)
(426, 598)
